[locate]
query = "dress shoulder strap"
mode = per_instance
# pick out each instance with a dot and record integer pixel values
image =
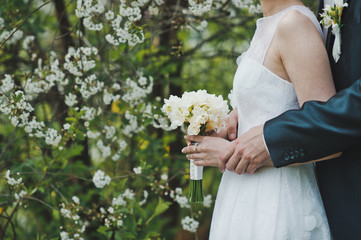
(307, 12)
(266, 28)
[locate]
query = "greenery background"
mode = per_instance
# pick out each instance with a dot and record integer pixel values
(178, 59)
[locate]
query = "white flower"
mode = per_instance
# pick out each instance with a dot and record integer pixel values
(20, 195)
(92, 135)
(110, 131)
(145, 198)
(178, 191)
(116, 157)
(200, 7)
(76, 199)
(27, 41)
(119, 223)
(207, 202)
(7, 84)
(111, 210)
(182, 201)
(52, 137)
(137, 170)
(100, 179)
(164, 177)
(64, 236)
(202, 26)
(106, 151)
(65, 212)
(128, 194)
(109, 15)
(340, 3)
(119, 201)
(89, 113)
(66, 126)
(189, 224)
(70, 100)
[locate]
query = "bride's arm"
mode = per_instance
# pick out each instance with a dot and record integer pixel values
(301, 51)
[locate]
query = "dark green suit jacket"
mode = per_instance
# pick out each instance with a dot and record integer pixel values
(321, 129)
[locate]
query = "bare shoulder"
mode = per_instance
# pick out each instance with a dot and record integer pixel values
(296, 24)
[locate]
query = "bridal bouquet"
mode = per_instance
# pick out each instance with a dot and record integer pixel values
(200, 113)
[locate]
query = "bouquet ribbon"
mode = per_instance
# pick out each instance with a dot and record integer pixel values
(196, 172)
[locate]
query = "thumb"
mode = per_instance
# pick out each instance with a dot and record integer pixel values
(232, 128)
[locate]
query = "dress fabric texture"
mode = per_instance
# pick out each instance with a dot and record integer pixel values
(276, 204)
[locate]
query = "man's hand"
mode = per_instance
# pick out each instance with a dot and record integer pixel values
(249, 152)
(232, 123)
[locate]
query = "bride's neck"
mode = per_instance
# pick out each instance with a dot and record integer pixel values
(271, 7)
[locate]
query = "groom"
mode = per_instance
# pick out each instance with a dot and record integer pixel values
(318, 130)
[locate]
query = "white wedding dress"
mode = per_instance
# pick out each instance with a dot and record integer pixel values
(277, 204)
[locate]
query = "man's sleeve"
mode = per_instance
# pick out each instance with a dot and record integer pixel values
(317, 130)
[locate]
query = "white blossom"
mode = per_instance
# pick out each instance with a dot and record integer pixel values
(75, 199)
(70, 100)
(52, 137)
(202, 26)
(146, 194)
(109, 131)
(189, 224)
(164, 177)
(200, 7)
(89, 113)
(65, 212)
(19, 196)
(119, 201)
(64, 236)
(178, 191)
(115, 157)
(207, 202)
(106, 151)
(137, 170)
(27, 41)
(7, 84)
(109, 15)
(182, 201)
(128, 194)
(100, 179)
(111, 210)
(66, 126)
(12, 181)
(92, 135)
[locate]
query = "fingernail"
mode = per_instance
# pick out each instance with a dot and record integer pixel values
(183, 150)
(232, 135)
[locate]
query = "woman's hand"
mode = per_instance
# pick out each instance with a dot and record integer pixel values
(208, 152)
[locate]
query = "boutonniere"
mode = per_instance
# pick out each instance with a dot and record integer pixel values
(331, 17)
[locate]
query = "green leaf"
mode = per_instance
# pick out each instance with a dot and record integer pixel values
(161, 208)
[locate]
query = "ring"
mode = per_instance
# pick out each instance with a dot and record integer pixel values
(195, 148)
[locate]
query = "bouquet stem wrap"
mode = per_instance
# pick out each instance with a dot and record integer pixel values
(196, 182)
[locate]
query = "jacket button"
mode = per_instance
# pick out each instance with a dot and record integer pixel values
(286, 157)
(302, 152)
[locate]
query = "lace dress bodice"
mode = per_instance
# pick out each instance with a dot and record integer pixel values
(276, 204)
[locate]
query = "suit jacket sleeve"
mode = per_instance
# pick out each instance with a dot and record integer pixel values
(317, 130)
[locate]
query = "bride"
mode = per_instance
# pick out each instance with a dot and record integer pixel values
(285, 66)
